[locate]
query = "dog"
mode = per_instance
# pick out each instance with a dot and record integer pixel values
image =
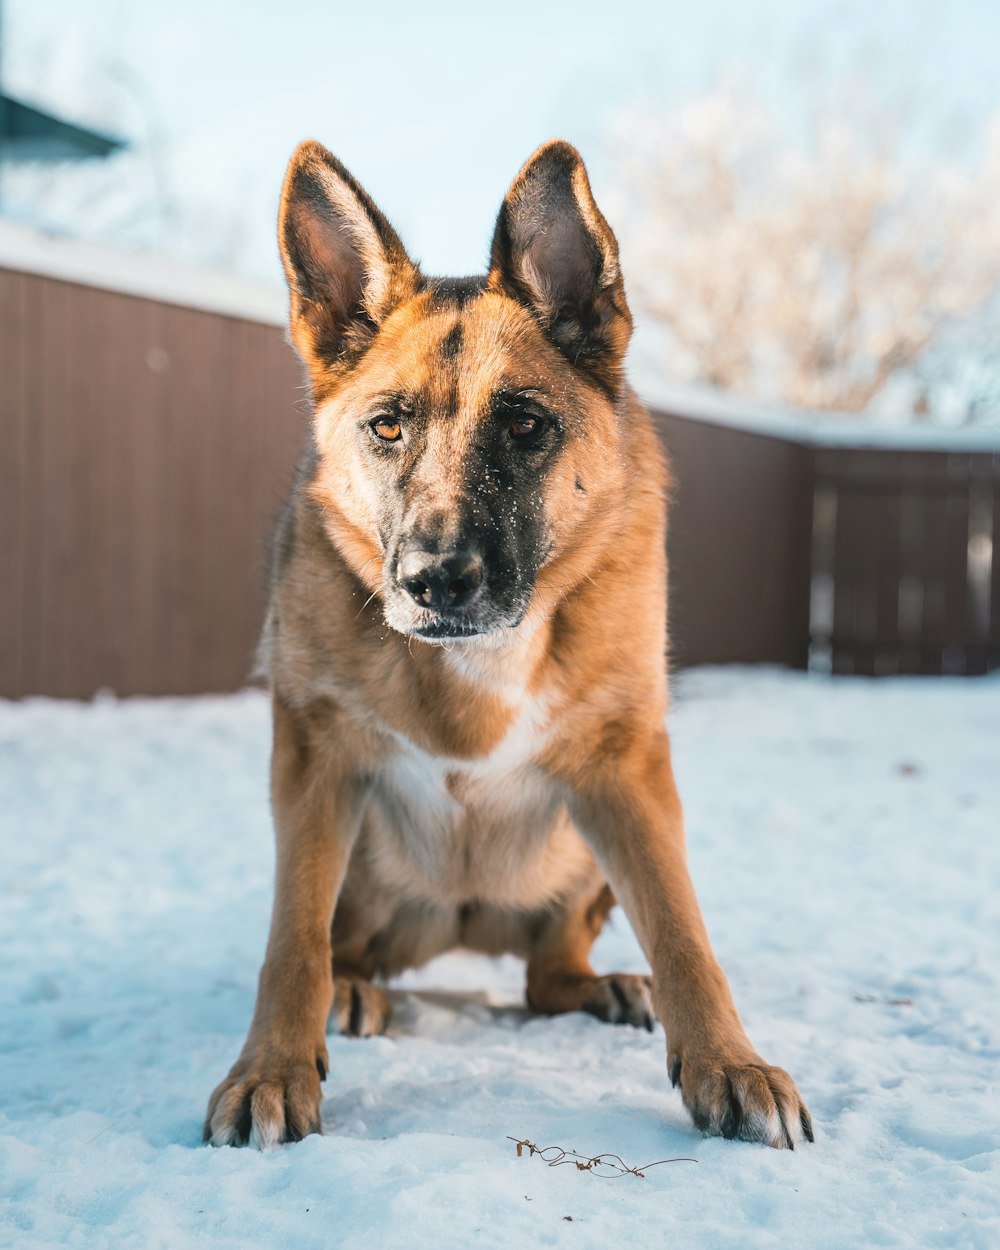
(466, 645)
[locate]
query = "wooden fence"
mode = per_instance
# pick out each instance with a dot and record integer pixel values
(145, 449)
(146, 446)
(905, 577)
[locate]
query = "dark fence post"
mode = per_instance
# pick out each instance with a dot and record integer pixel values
(907, 544)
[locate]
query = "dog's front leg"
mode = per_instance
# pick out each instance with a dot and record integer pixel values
(272, 1093)
(629, 810)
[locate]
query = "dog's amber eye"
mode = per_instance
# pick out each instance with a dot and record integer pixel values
(522, 427)
(387, 430)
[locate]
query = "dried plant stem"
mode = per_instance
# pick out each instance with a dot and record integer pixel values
(556, 1156)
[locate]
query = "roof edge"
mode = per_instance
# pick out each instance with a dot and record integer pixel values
(823, 430)
(26, 249)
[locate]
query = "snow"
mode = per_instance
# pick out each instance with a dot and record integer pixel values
(709, 405)
(843, 836)
(109, 268)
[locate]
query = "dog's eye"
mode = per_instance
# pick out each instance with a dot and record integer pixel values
(387, 430)
(524, 427)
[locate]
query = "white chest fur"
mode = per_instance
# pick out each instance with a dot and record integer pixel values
(490, 829)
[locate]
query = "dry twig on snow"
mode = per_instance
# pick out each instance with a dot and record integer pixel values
(605, 1165)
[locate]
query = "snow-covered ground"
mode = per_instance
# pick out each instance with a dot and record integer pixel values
(844, 838)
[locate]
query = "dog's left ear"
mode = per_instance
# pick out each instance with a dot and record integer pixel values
(554, 252)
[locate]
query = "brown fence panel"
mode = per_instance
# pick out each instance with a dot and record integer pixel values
(145, 451)
(12, 457)
(739, 545)
(914, 579)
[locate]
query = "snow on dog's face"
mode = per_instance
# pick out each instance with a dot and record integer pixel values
(467, 429)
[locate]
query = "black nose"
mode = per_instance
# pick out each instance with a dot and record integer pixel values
(446, 579)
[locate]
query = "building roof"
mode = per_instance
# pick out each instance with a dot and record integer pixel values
(28, 133)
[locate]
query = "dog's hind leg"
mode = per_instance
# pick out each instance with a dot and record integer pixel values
(360, 1008)
(560, 977)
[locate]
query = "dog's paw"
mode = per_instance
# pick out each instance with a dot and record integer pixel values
(263, 1104)
(747, 1099)
(620, 998)
(360, 1009)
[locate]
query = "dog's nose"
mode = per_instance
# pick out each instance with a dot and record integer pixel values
(446, 579)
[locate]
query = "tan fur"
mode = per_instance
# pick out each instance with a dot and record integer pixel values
(484, 792)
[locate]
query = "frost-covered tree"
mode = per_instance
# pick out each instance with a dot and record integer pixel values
(833, 261)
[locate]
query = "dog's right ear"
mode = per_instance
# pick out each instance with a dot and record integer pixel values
(554, 252)
(345, 265)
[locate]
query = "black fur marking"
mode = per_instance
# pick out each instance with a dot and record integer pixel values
(321, 1068)
(537, 925)
(457, 291)
(245, 1122)
(675, 1071)
(357, 1012)
(451, 344)
(806, 1121)
(348, 356)
(293, 1132)
(732, 1119)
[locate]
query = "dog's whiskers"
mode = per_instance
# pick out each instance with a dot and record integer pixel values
(366, 603)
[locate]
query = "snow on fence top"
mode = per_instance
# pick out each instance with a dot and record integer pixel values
(810, 428)
(136, 273)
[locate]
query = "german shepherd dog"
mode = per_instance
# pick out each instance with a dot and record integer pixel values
(466, 646)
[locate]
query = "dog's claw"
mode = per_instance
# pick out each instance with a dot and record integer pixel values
(263, 1107)
(621, 998)
(749, 1100)
(360, 1009)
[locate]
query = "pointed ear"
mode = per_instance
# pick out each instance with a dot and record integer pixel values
(554, 252)
(345, 265)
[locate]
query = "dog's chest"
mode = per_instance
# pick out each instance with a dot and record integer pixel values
(491, 829)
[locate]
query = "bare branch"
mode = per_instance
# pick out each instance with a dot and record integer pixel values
(819, 272)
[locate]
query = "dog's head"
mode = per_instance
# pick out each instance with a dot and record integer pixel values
(468, 430)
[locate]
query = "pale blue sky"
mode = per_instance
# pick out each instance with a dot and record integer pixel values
(435, 106)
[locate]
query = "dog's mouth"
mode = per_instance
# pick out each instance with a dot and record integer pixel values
(448, 628)
(444, 625)
(441, 625)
